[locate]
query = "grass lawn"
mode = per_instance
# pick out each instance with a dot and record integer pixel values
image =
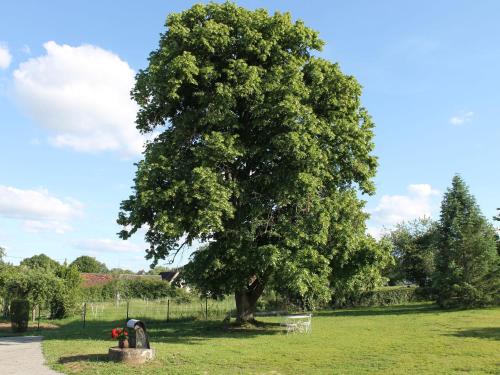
(411, 339)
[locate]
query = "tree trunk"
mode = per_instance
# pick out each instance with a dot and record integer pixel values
(246, 301)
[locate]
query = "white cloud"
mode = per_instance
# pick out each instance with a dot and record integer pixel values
(82, 95)
(109, 246)
(393, 209)
(35, 226)
(38, 210)
(5, 56)
(461, 118)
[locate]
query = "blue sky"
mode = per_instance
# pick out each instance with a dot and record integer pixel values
(429, 71)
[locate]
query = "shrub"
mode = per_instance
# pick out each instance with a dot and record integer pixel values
(19, 315)
(380, 297)
(181, 296)
(67, 292)
(57, 309)
(135, 288)
(63, 304)
(150, 289)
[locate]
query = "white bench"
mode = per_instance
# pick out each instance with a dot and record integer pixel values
(298, 323)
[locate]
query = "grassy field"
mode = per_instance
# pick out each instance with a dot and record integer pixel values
(411, 339)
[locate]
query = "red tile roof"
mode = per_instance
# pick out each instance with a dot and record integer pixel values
(93, 279)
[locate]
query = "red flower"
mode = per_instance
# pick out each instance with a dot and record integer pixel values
(118, 333)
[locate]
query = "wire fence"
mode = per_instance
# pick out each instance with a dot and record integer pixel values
(156, 310)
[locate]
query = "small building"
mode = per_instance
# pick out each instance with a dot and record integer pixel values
(174, 277)
(170, 276)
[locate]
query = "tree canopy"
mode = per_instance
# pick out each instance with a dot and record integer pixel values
(56, 289)
(89, 264)
(42, 262)
(260, 151)
(468, 272)
(414, 250)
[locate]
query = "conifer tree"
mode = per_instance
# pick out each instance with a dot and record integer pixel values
(467, 272)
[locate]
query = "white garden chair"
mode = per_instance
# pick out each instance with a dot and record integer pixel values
(298, 323)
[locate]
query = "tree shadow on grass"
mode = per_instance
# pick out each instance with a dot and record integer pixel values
(187, 331)
(488, 333)
(198, 331)
(423, 308)
(98, 357)
(6, 330)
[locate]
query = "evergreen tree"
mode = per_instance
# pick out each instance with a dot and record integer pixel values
(467, 272)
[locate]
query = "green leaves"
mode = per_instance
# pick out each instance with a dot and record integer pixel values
(211, 201)
(414, 250)
(88, 264)
(261, 152)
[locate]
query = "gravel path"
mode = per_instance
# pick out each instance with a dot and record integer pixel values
(22, 356)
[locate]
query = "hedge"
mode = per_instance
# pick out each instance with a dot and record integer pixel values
(380, 297)
(19, 315)
(134, 288)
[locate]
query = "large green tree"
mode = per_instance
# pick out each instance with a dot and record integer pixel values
(467, 262)
(89, 264)
(414, 251)
(260, 150)
(41, 261)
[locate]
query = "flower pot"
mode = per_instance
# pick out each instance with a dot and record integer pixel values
(123, 344)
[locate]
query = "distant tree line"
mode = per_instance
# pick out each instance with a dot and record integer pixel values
(43, 282)
(144, 288)
(57, 288)
(88, 264)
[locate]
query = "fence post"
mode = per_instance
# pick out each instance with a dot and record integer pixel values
(206, 307)
(127, 309)
(168, 310)
(84, 313)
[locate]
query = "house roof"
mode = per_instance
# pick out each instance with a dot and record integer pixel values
(93, 279)
(128, 276)
(169, 276)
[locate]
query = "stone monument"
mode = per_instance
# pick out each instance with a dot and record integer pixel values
(139, 350)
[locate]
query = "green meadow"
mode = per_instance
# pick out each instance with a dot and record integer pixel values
(409, 339)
